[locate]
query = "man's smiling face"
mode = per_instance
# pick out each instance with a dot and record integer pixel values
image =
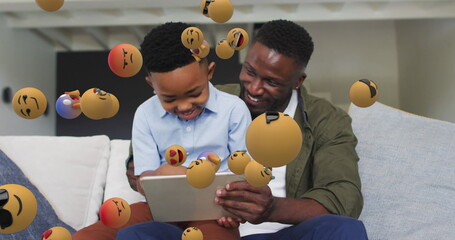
(267, 79)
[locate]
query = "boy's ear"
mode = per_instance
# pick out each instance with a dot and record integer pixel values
(211, 70)
(149, 81)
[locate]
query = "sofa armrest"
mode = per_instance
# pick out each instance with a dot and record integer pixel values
(69, 171)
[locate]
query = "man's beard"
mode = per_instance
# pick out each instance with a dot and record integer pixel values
(273, 107)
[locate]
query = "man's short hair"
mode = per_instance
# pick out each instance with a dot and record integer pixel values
(162, 48)
(287, 38)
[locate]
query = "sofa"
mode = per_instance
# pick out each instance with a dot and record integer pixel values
(407, 167)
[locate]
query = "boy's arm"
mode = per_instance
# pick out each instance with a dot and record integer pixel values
(239, 122)
(145, 149)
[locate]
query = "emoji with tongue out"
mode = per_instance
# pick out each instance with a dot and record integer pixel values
(237, 38)
(56, 233)
(175, 155)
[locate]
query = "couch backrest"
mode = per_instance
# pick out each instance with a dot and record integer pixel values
(407, 167)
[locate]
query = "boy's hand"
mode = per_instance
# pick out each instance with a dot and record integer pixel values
(164, 169)
(229, 222)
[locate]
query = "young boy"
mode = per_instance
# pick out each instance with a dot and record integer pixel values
(187, 110)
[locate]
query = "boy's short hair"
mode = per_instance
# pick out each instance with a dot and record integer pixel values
(162, 48)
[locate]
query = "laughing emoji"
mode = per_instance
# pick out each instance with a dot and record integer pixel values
(237, 38)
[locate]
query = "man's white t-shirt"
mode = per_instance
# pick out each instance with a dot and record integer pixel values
(277, 186)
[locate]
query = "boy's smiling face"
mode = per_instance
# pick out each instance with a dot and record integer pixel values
(183, 91)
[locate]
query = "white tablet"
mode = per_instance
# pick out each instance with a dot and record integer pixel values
(172, 199)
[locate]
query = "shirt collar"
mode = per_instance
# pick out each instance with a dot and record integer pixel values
(292, 105)
(210, 105)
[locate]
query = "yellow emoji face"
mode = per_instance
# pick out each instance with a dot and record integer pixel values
(220, 11)
(238, 38)
(175, 155)
(115, 106)
(115, 212)
(364, 93)
(237, 161)
(96, 104)
(204, 7)
(200, 173)
(125, 60)
(273, 139)
(56, 233)
(192, 233)
(29, 103)
(223, 50)
(49, 5)
(18, 208)
(257, 175)
(192, 37)
(202, 51)
(211, 157)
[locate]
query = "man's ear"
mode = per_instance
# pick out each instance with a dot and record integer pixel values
(300, 81)
(211, 70)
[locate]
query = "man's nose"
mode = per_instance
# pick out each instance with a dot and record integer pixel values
(256, 87)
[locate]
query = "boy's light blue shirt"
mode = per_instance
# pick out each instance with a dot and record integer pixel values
(220, 128)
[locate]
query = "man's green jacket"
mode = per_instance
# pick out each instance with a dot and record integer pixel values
(326, 167)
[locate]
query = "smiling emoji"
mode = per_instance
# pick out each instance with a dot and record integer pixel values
(192, 233)
(115, 212)
(257, 175)
(18, 208)
(96, 104)
(223, 50)
(237, 161)
(200, 173)
(192, 37)
(29, 103)
(220, 11)
(175, 155)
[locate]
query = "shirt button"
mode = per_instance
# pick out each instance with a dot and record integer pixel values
(188, 129)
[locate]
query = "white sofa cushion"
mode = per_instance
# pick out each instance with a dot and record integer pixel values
(69, 171)
(407, 167)
(117, 183)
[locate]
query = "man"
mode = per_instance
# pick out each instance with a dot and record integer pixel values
(323, 180)
(316, 196)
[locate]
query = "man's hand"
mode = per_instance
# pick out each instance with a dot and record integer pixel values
(255, 204)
